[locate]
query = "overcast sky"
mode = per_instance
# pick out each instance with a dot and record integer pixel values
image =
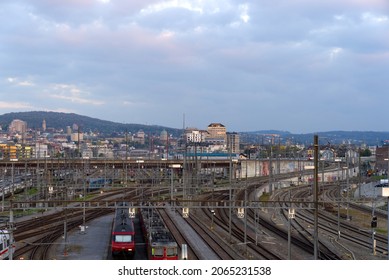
(296, 65)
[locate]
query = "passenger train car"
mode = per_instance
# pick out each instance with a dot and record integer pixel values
(159, 240)
(123, 234)
(5, 245)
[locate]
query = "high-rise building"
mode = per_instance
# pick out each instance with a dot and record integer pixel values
(44, 125)
(216, 130)
(77, 137)
(18, 126)
(194, 135)
(164, 135)
(233, 142)
(139, 137)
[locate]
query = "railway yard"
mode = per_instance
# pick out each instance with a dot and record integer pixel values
(209, 219)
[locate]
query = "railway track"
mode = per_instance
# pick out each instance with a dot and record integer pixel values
(51, 226)
(178, 235)
(331, 226)
(37, 235)
(214, 242)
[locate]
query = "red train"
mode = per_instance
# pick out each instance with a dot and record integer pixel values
(123, 234)
(5, 245)
(159, 240)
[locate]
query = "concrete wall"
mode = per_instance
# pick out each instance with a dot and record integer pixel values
(253, 168)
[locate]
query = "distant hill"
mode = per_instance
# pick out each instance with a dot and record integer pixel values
(370, 138)
(62, 120)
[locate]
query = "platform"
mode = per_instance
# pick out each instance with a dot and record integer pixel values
(94, 242)
(196, 242)
(90, 244)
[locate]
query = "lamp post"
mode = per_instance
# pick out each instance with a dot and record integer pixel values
(339, 199)
(387, 206)
(290, 217)
(230, 196)
(316, 197)
(2, 192)
(373, 225)
(83, 227)
(385, 193)
(348, 187)
(11, 228)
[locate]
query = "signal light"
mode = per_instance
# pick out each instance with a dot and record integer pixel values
(374, 222)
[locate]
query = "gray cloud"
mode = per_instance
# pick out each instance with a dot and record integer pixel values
(295, 65)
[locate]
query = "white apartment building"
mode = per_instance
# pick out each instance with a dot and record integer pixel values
(41, 150)
(194, 135)
(18, 126)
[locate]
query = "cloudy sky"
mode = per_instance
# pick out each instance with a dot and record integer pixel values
(295, 65)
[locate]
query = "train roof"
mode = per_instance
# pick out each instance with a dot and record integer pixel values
(153, 221)
(4, 232)
(122, 212)
(161, 236)
(123, 222)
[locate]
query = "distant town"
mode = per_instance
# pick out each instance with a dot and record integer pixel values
(212, 175)
(18, 141)
(21, 142)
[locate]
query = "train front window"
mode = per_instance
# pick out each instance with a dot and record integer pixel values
(123, 238)
(171, 252)
(157, 251)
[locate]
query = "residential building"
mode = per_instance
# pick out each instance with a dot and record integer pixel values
(76, 137)
(217, 130)
(139, 137)
(41, 150)
(194, 135)
(233, 142)
(18, 126)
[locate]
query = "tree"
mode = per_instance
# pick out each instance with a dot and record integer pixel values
(365, 153)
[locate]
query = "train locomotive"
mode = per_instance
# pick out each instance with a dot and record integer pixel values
(159, 240)
(123, 234)
(5, 245)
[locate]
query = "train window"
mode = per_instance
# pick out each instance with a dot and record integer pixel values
(123, 238)
(158, 251)
(171, 252)
(1, 246)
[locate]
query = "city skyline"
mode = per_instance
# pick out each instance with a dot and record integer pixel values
(297, 66)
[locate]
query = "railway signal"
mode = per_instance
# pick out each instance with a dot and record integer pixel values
(374, 222)
(185, 212)
(240, 213)
(291, 213)
(131, 212)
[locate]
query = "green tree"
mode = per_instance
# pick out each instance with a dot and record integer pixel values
(365, 153)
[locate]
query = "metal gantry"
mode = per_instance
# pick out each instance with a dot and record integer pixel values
(170, 176)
